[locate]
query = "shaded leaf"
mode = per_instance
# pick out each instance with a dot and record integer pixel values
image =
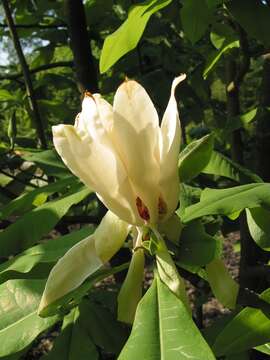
(28, 229)
(194, 158)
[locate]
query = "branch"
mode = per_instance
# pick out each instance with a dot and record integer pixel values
(38, 69)
(80, 44)
(38, 26)
(27, 76)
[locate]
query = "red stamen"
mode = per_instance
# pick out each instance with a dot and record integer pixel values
(142, 209)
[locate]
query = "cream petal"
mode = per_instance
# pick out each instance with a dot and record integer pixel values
(98, 166)
(169, 151)
(84, 258)
(135, 134)
(70, 271)
(110, 236)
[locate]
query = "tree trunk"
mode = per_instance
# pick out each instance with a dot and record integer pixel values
(80, 44)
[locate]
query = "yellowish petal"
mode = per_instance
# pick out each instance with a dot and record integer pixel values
(98, 166)
(70, 271)
(135, 133)
(110, 236)
(169, 150)
(84, 258)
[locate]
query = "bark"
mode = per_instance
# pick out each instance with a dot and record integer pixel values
(80, 44)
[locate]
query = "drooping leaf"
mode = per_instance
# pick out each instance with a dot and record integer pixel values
(222, 284)
(259, 226)
(194, 158)
(127, 36)
(20, 324)
(221, 165)
(28, 229)
(163, 329)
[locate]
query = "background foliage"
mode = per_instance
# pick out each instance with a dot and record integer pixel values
(72, 46)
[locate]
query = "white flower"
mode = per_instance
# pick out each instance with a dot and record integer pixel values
(130, 161)
(123, 154)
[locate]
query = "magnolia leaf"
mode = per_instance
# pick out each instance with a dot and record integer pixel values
(195, 157)
(127, 36)
(222, 284)
(196, 17)
(168, 273)
(249, 328)
(259, 226)
(163, 329)
(73, 342)
(229, 201)
(221, 165)
(30, 228)
(20, 324)
(48, 252)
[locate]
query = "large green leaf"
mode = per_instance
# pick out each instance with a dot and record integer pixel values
(28, 229)
(163, 329)
(249, 328)
(73, 342)
(48, 161)
(48, 252)
(258, 220)
(196, 17)
(221, 165)
(196, 247)
(127, 36)
(222, 284)
(194, 158)
(36, 197)
(244, 10)
(229, 201)
(20, 323)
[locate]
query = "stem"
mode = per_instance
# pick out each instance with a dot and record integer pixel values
(27, 77)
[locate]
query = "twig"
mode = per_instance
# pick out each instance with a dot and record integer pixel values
(38, 69)
(38, 26)
(27, 77)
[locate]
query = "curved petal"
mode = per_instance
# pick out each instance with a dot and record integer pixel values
(84, 259)
(70, 271)
(110, 236)
(135, 134)
(98, 166)
(169, 151)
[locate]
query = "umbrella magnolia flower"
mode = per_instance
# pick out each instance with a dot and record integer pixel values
(122, 153)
